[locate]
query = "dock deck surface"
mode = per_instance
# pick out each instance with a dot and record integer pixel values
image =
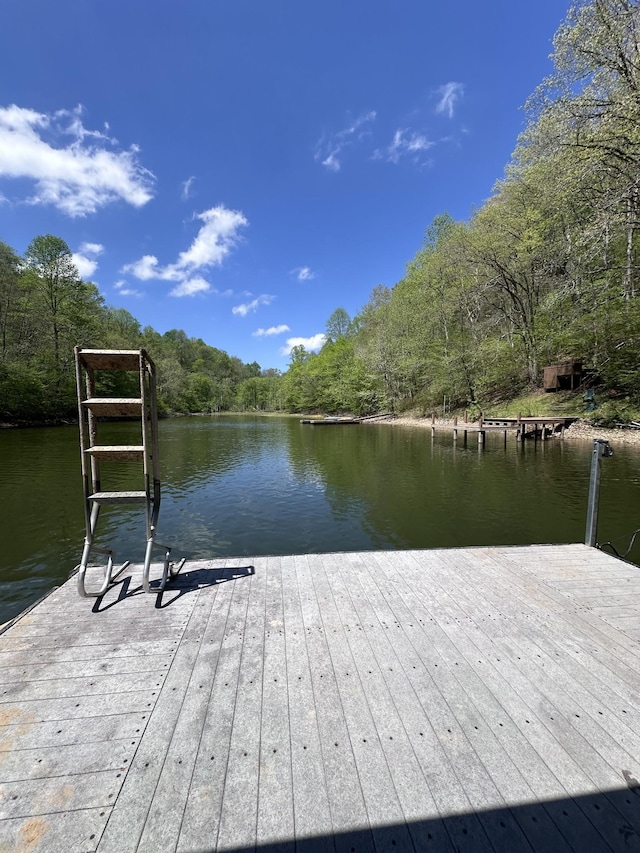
(480, 699)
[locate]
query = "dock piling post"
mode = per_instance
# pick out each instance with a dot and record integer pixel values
(600, 448)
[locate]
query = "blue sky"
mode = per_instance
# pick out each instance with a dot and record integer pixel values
(239, 169)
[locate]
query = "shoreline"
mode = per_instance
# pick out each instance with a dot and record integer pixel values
(578, 431)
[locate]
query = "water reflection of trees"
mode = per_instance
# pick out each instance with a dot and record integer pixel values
(414, 491)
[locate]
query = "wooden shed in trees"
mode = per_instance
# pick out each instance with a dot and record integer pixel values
(566, 376)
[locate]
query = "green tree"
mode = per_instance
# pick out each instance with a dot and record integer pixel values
(338, 325)
(590, 106)
(11, 308)
(54, 279)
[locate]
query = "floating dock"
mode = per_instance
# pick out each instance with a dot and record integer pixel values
(477, 699)
(333, 421)
(329, 421)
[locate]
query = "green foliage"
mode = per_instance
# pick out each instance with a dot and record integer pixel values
(46, 309)
(613, 413)
(22, 395)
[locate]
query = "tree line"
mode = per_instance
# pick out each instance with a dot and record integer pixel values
(46, 309)
(546, 270)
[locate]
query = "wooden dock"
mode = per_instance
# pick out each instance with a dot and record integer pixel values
(522, 428)
(479, 699)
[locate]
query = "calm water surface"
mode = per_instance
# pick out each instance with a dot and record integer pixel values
(241, 486)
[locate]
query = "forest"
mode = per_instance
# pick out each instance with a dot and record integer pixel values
(545, 271)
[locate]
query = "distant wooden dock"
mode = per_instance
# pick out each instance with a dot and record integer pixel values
(478, 699)
(522, 428)
(340, 421)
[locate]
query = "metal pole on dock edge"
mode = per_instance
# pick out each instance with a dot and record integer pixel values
(600, 448)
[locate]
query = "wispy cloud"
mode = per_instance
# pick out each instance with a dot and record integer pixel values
(213, 242)
(405, 143)
(331, 161)
(329, 150)
(251, 307)
(186, 188)
(272, 330)
(86, 258)
(312, 344)
(449, 95)
(303, 273)
(124, 290)
(76, 170)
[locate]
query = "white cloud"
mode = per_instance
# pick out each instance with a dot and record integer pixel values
(145, 268)
(72, 168)
(250, 307)
(86, 258)
(190, 287)
(211, 245)
(449, 94)
(303, 273)
(186, 188)
(329, 149)
(312, 344)
(124, 290)
(403, 145)
(273, 330)
(215, 239)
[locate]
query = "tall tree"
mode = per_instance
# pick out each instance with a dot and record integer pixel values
(338, 325)
(10, 296)
(590, 105)
(54, 279)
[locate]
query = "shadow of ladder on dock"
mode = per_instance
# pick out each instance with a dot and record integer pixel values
(90, 409)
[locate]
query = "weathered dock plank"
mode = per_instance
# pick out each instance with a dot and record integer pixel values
(480, 699)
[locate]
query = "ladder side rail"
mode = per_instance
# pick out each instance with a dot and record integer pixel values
(148, 360)
(92, 423)
(144, 425)
(83, 443)
(155, 454)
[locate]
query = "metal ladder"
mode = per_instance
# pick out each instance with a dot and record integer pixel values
(90, 409)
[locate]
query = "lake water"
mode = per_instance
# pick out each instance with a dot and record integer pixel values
(245, 485)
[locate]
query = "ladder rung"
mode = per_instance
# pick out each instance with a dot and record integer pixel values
(115, 406)
(118, 497)
(108, 359)
(124, 452)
